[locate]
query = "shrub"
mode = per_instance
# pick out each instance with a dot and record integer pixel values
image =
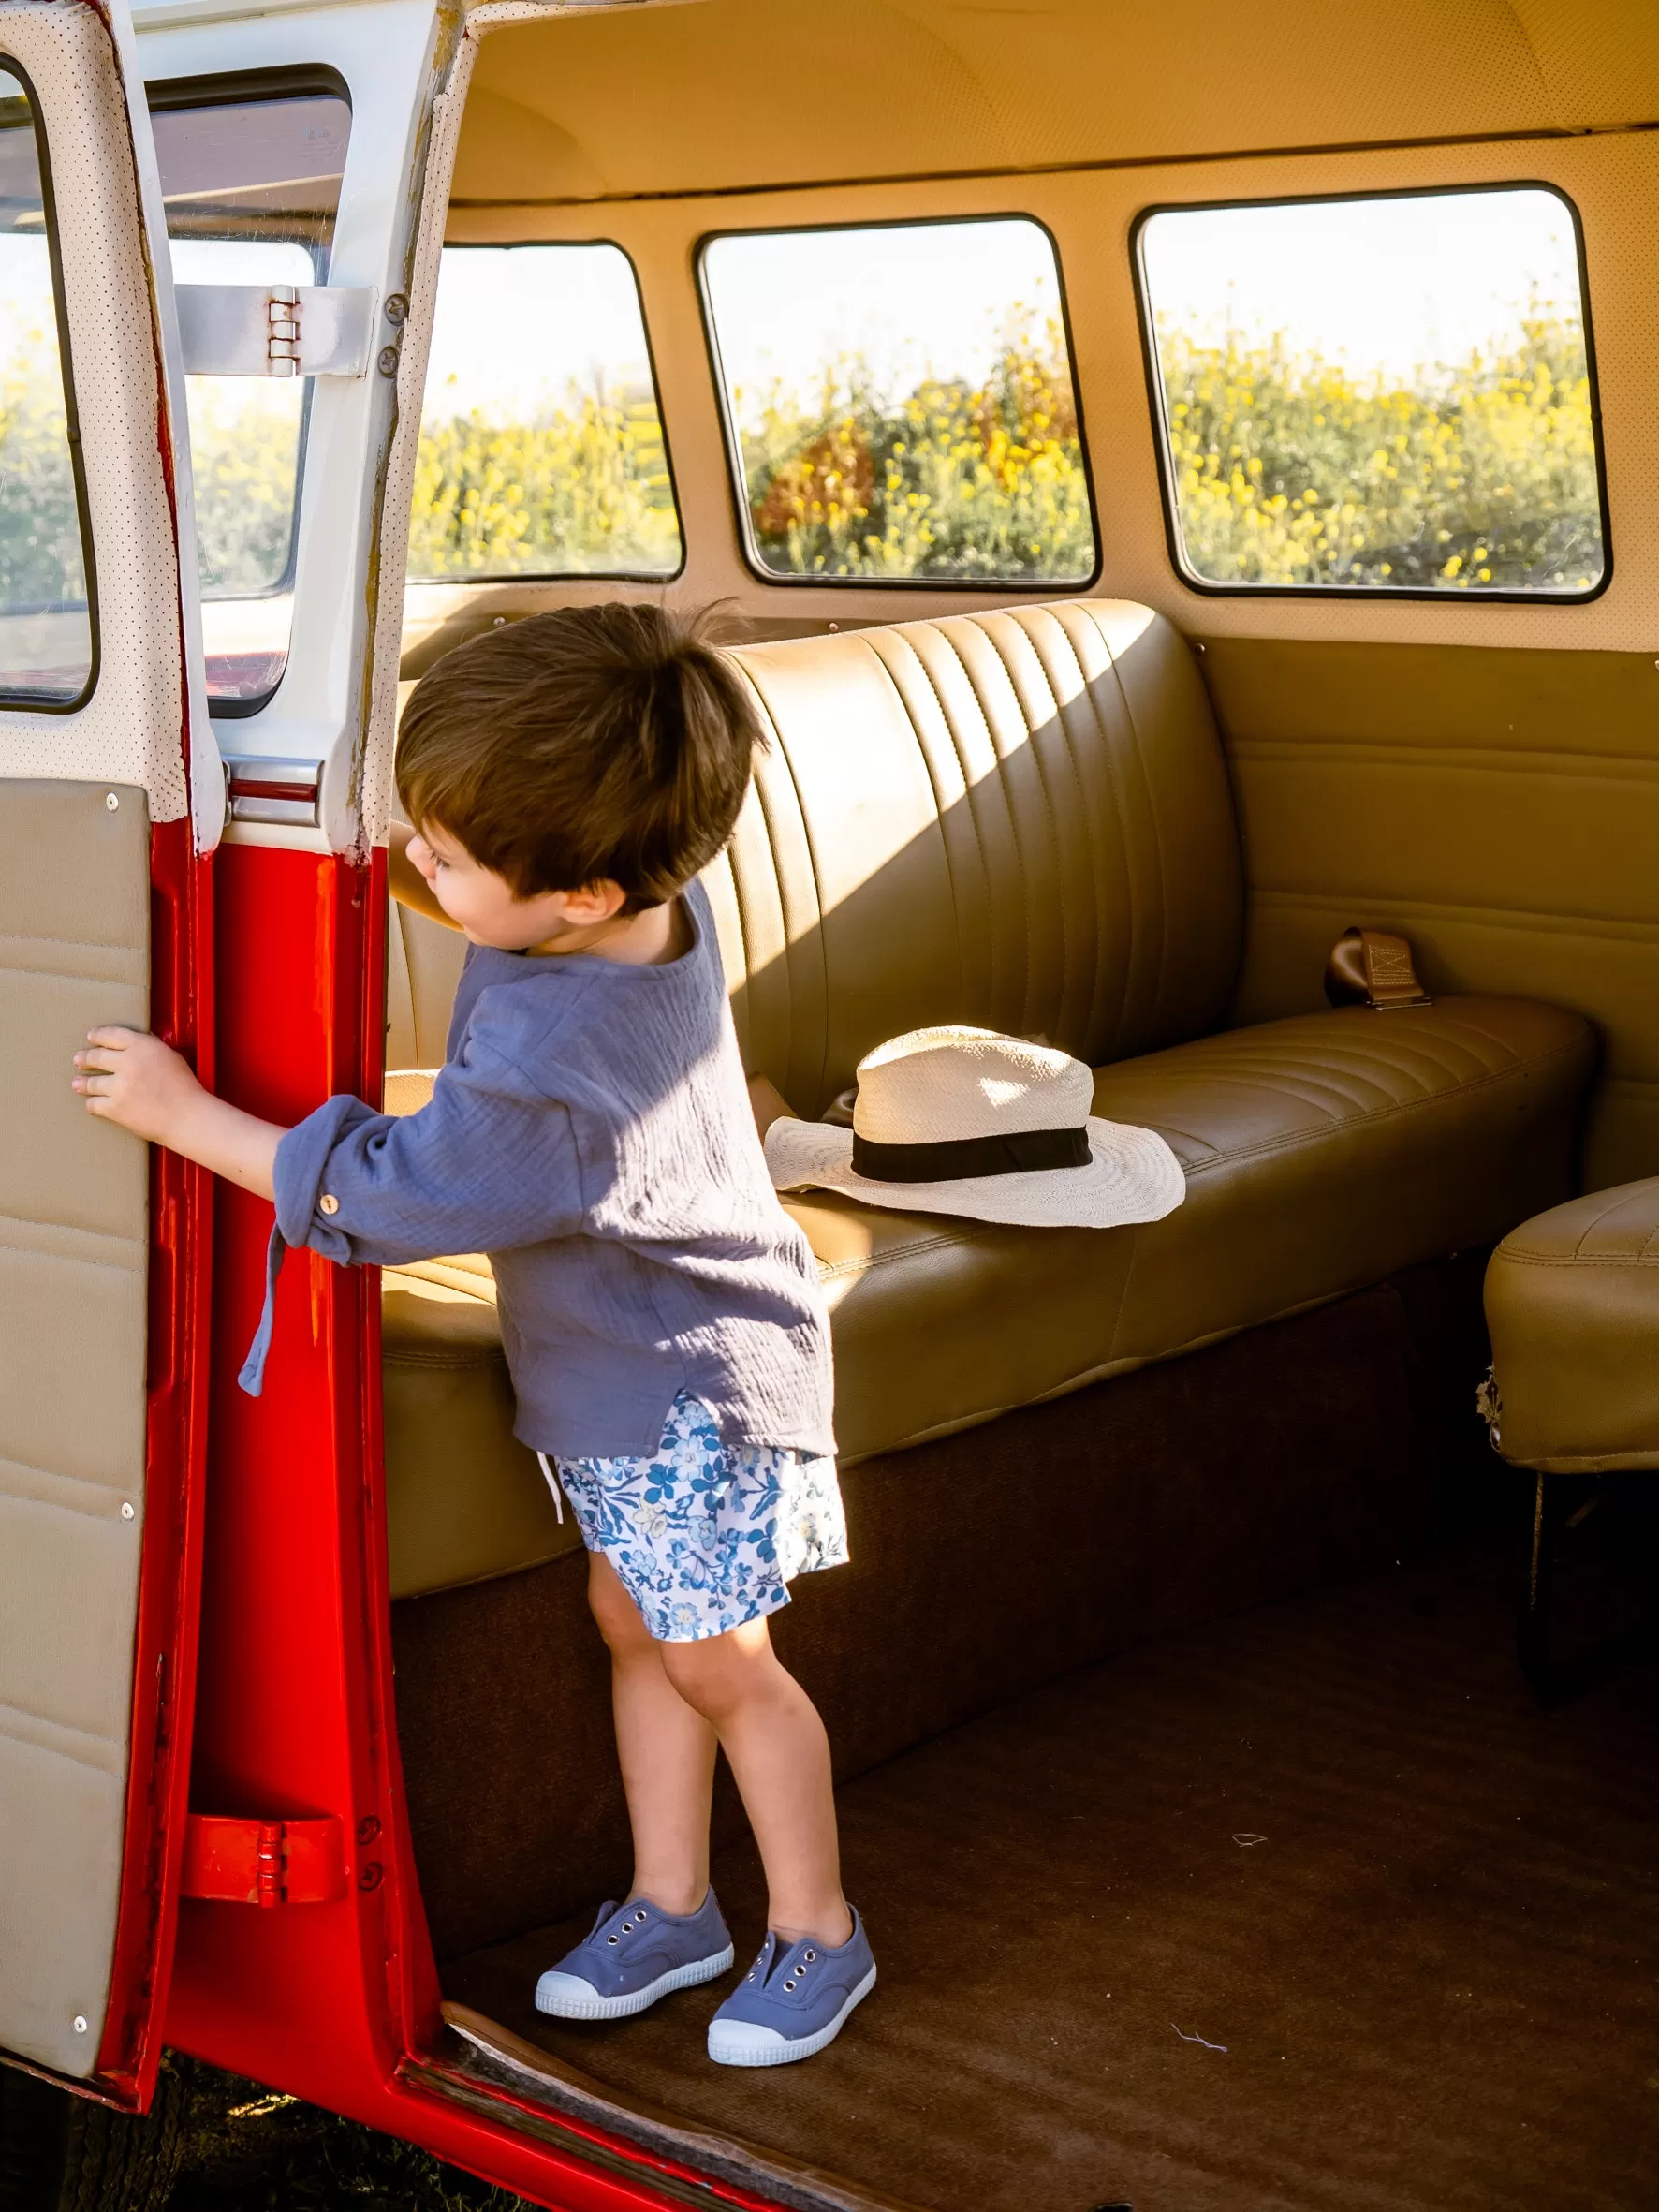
(1287, 470)
(953, 481)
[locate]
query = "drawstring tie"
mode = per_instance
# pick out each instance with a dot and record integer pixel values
(553, 1485)
(252, 1378)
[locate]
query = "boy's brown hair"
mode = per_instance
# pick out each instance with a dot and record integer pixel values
(592, 743)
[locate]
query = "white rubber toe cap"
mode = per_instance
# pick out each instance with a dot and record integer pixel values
(567, 1996)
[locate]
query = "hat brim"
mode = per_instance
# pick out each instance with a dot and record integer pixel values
(1132, 1176)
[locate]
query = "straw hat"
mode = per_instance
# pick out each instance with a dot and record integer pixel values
(964, 1121)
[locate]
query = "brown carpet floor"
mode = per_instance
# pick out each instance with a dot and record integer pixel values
(1414, 1919)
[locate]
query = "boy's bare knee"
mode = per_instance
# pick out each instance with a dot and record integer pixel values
(717, 1673)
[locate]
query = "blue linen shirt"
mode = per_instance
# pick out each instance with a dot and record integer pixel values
(591, 1131)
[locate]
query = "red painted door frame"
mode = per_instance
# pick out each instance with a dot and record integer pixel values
(294, 1714)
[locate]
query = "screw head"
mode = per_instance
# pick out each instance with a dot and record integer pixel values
(397, 308)
(111, 801)
(372, 1876)
(127, 1509)
(368, 1828)
(387, 364)
(79, 2023)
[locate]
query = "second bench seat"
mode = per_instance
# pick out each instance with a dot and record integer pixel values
(1322, 1153)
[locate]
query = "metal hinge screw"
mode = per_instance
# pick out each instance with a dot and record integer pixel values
(397, 309)
(387, 363)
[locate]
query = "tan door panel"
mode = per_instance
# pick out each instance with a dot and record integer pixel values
(74, 951)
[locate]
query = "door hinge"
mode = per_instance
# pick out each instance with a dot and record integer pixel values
(275, 330)
(264, 1863)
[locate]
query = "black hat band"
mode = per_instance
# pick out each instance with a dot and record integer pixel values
(954, 1159)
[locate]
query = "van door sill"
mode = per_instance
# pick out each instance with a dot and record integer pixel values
(487, 2065)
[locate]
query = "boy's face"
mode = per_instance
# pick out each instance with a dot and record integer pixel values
(484, 907)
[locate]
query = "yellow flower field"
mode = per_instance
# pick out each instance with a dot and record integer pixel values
(1287, 471)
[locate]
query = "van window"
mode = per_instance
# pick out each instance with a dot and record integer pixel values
(900, 403)
(252, 186)
(541, 442)
(46, 617)
(1390, 394)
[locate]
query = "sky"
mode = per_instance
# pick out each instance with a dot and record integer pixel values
(517, 326)
(1384, 285)
(926, 300)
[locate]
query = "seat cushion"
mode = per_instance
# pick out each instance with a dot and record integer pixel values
(464, 1498)
(1321, 1153)
(1572, 1300)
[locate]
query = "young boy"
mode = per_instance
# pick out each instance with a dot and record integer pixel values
(668, 1347)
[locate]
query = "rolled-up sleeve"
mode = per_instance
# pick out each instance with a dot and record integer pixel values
(488, 1164)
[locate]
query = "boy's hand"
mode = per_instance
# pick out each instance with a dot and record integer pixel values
(131, 1078)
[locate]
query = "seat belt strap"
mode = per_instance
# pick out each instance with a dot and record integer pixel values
(1372, 967)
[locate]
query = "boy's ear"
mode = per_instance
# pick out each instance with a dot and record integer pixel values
(595, 902)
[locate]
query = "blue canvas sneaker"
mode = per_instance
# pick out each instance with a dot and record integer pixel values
(792, 2002)
(634, 1955)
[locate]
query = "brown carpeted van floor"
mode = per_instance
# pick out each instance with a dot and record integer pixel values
(1412, 1918)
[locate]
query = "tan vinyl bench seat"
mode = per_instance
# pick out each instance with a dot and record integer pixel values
(1024, 820)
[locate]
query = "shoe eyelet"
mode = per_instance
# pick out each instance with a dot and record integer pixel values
(812, 1957)
(610, 1938)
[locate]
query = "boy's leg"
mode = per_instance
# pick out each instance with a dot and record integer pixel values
(667, 1750)
(771, 1732)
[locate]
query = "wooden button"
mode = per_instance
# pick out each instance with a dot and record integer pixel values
(329, 1204)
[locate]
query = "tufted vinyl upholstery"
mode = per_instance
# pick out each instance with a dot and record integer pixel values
(1020, 819)
(1572, 1299)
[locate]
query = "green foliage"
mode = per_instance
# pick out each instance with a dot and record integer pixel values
(582, 492)
(1480, 478)
(244, 456)
(40, 557)
(953, 481)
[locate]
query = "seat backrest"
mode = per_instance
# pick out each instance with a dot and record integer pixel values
(1020, 819)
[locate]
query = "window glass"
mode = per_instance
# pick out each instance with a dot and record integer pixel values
(1387, 394)
(902, 402)
(541, 443)
(251, 189)
(46, 627)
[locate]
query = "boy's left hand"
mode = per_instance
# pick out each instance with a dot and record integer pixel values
(131, 1078)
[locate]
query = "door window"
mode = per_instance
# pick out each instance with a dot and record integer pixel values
(252, 186)
(1391, 395)
(46, 605)
(541, 441)
(900, 403)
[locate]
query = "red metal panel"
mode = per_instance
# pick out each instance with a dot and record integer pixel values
(181, 1216)
(294, 1710)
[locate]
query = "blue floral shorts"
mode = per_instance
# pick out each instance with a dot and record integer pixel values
(703, 1535)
